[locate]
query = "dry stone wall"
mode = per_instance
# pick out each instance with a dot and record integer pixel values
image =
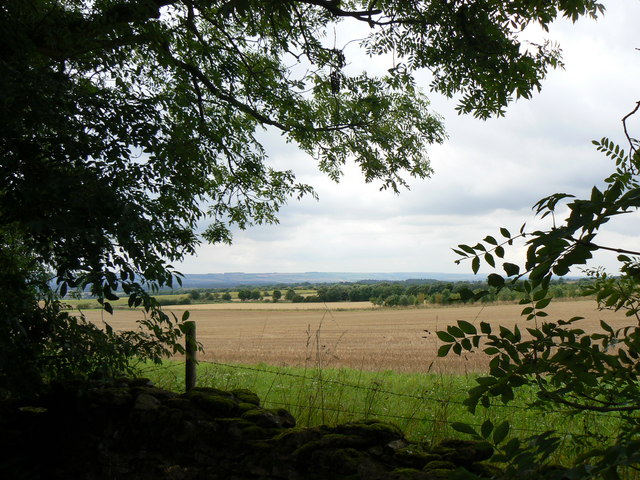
(129, 429)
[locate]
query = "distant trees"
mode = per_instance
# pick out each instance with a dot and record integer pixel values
(249, 294)
(385, 293)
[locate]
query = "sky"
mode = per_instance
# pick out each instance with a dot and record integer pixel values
(488, 174)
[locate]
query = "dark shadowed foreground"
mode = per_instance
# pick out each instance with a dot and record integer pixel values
(129, 429)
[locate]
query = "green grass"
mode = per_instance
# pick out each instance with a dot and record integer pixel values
(423, 405)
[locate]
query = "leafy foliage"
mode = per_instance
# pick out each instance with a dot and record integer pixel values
(569, 368)
(125, 124)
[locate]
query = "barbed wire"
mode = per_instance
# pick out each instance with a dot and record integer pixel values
(379, 390)
(432, 420)
(385, 415)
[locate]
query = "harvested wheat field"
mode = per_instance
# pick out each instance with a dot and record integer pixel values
(369, 339)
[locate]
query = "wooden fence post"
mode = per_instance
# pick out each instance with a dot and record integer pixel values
(191, 349)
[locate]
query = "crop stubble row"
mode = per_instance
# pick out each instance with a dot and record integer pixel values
(369, 339)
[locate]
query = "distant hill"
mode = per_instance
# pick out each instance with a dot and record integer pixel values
(233, 279)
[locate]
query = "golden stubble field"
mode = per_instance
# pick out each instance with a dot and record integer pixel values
(349, 334)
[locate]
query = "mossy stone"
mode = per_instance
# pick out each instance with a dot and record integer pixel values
(159, 393)
(210, 391)
(373, 431)
(414, 456)
(485, 470)
(254, 432)
(263, 417)
(292, 439)
(340, 461)
(112, 396)
(464, 452)
(409, 474)
(439, 465)
(140, 382)
(178, 403)
(214, 404)
(144, 401)
(245, 407)
(246, 396)
(439, 469)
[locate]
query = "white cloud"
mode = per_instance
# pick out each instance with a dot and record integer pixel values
(487, 175)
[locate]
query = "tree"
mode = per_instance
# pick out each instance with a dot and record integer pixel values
(124, 123)
(277, 295)
(568, 367)
(244, 294)
(255, 294)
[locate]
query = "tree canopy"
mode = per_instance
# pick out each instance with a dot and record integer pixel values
(126, 123)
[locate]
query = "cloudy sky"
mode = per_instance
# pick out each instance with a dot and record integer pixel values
(487, 175)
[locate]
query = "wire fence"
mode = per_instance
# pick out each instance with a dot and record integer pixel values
(374, 389)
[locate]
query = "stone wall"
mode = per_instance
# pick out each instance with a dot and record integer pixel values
(129, 429)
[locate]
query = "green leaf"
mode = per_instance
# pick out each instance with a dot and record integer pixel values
(606, 327)
(490, 239)
(475, 264)
(185, 315)
(444, 349)
(489, 259)
(501, 432)
(486, 428)
(511, 269)
(466, 294)
(486, 381)
(540, 294)
(464, 428)
(507, 395)
(485, 328)
(467, 327)
(467, 249)
(445, 337)
(543, 303)
(495, 280)
(505, 233)
(455, 331)
(499, 251)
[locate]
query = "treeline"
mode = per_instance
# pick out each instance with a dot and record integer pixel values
(441, 293)
(404, 293)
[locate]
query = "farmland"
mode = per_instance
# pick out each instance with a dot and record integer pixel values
(353, 335)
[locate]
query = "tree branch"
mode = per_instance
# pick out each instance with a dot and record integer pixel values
(624, 125)
(243, 107)
(602, 247)
(333, 7)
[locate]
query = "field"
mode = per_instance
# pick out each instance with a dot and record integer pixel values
(334, 363)
(353, 335)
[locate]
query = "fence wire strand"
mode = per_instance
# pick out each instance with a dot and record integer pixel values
(378, 390)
